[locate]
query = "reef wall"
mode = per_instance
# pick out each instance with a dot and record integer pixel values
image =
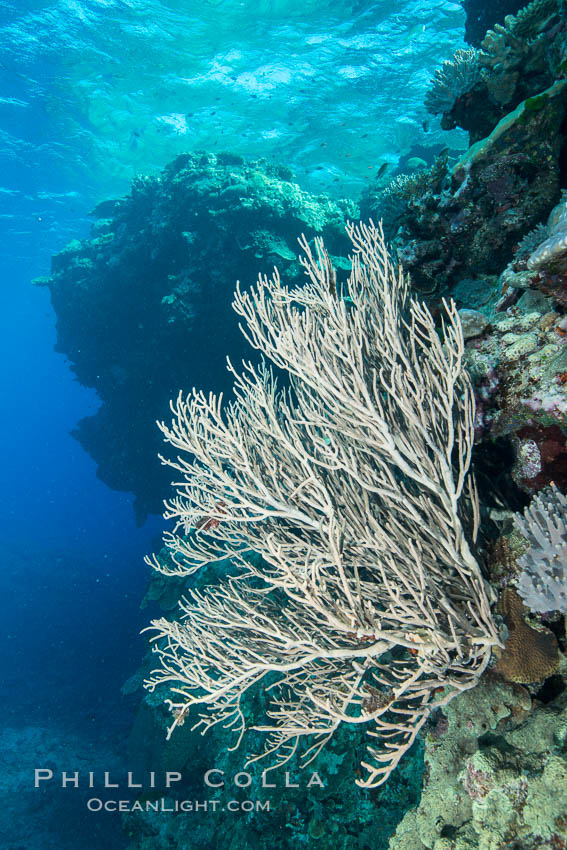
(144, 305)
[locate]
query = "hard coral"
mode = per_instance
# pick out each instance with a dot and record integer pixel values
(456, 77)
(530, 655)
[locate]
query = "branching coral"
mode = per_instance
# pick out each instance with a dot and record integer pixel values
(406, 187)
(507, 42)
(533, 18)
(452, 80)
(543, 581)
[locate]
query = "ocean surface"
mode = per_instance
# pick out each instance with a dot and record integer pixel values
(93, 94)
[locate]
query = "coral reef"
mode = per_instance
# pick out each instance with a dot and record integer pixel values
(491, 782)
(523, 53)
(516, 366)
(493, 195)
(135, 303)
(487, 227)
(496, 775)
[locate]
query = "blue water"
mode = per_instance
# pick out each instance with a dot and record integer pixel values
(91, 95)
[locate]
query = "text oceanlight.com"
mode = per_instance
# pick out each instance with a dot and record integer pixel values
(95, 804)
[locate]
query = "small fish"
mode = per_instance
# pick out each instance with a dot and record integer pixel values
(415, 31)
(383, 169)
(207, 522)
(133, 140)
(425, 125)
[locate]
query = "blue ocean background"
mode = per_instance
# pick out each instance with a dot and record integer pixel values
(93, 94)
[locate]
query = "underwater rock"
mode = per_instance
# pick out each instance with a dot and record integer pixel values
(135, 303)
(473, 294)
(465, 222)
